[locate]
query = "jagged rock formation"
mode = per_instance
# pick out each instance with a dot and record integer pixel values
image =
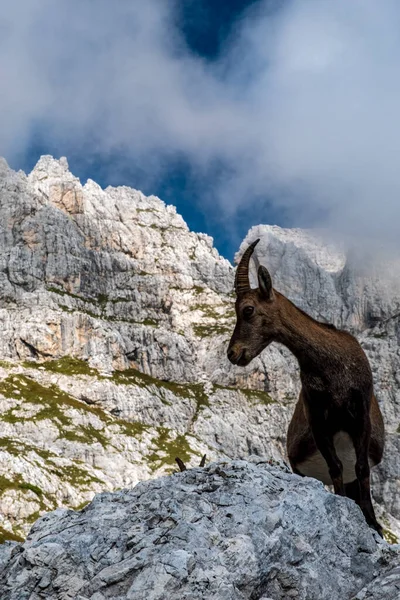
(234, 530)
(114, 322)
(118, 282)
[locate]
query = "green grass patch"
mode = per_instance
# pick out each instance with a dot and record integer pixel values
(18, 448)
(109, 318)
(193, 391)
(131, 429)
(18, 483)
(6, 364)
(66, 309)
(118, 300)
(8, 484)
(135, 377)
(82, 505)
(53, 404)
(49, 398)
(75, 475)
(211, 312)
(62, 292)
(207, 310)
(203, 331)
(29, 486)
(230, 313)
(11, 446)
(202, 401)
(86, 434)
(257, 396)
(67, 365)
(101, 300)
(168, 448)
(34, 517)
(9, 536)
(390, 537)
(254, 396)
(149, 322)
(12, 417)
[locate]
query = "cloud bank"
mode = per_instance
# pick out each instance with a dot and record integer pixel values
(301, 109)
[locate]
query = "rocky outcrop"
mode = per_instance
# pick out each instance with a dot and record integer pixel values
(114, 323)
(114, 320)
(234, 530)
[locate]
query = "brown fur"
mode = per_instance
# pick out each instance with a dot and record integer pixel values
(337, 389)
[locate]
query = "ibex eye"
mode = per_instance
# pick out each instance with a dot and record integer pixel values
(248, 311)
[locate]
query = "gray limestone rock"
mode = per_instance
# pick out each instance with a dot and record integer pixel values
(384, 587)
(145, 308)
(234, 530)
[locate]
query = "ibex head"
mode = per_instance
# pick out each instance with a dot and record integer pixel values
(256, 313)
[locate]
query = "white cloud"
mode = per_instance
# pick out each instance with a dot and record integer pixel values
(302, 107)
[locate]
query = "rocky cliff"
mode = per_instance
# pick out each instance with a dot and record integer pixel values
(114, 323)
(232, 531)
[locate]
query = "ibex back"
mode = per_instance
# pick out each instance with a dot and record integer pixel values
(337, 430)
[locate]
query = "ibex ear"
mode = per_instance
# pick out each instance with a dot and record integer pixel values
(265, 283)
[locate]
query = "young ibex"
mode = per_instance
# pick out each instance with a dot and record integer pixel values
(336, 431)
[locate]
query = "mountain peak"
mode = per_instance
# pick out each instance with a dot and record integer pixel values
(115, 325)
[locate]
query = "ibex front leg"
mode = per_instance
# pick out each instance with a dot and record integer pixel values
(324, 441)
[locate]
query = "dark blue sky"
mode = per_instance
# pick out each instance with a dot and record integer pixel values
(206, 26)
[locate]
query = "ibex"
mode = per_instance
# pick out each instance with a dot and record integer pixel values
(337, 430)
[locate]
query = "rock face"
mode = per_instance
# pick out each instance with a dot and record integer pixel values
(234, 530)
(114, 324)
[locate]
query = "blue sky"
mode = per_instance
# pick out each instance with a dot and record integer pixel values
(238, 113)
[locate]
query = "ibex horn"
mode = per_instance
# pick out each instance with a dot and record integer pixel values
(242, 282)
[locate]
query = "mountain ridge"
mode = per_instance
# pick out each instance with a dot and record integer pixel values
(115, 320)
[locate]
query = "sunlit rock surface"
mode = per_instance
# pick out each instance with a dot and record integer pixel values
(234, 530)
(114, 324)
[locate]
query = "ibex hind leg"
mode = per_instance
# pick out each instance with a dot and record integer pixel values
(361, 435)
(324, 442)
